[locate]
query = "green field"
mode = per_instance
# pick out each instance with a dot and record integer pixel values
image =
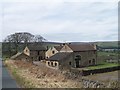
(102, 57)
(101, 53)
(108, 44)
(104, 65)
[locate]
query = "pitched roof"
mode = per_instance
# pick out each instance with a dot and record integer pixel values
(18, 54)
(59, 56)
(36, 47)
(58, 48)
(82, 47)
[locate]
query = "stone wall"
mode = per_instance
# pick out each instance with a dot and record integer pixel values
(92, 84)
(96, 84)
(103, 70)
(87, 56)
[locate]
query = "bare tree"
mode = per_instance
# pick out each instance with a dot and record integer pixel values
(39, 38)
(8, 39)
(22, 37)
(17, 38)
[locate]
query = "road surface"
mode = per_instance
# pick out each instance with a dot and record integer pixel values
(7, 80)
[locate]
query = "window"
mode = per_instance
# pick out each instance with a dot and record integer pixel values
(53, 52)
(55, 64)
(40, 58)
(78, 57)
(69, 63)
(48, 63)
(89, 61)
(93, 62)
(51, 63)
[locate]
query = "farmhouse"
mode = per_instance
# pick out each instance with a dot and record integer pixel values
(32, 52)
(74, 56)
(36, 52)
(53, 50)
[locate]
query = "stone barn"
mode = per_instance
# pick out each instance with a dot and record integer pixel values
(59, 60)
(53, 50)
(36, 52)
(75, 56)
(21, 56)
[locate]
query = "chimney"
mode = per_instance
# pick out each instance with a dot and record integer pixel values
(95, 46)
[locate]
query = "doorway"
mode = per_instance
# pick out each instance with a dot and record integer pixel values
(40, 58)
(77, 61)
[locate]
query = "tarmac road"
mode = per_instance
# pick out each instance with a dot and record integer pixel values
(7, 80)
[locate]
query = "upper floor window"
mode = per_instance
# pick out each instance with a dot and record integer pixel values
(26, 50)
(53, 52)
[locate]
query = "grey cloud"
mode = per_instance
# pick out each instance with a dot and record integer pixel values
(86, 19)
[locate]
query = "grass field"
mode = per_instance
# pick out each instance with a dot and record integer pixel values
(108, 44)
(100, 53)
(102, 65)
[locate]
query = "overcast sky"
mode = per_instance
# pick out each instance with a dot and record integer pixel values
(61, 20)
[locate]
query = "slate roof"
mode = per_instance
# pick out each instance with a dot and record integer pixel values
(18, 54)
(82, 47)
(58, 48)
(59, 56)
(36, 47)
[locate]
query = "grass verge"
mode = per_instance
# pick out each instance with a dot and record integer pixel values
(21, 81)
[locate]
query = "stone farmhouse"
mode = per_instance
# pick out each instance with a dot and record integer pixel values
(37, 52)
(63, 56)
(74, 56)
(53, 50)
(31, 52)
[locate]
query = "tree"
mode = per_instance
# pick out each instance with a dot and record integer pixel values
(17, 38)
(39, 38)
(8, 39)
(22, 37)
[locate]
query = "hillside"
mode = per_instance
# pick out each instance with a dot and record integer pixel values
(112, 44)
(103, 44)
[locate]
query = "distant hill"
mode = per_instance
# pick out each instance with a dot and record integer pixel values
(103, 44)
(108, 44)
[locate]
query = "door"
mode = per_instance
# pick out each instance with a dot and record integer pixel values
(77, 64)
(77, 61)
(40, 58)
